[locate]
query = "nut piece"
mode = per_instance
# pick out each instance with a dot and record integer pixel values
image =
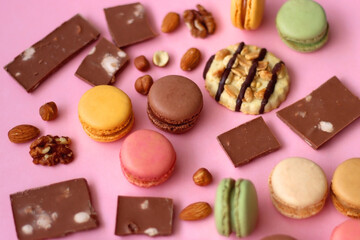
(220, 55)
(202, 177)
(160, 58)
(249, 96)
(141, 63)
(48, 111)
(195, 211)
(50, 150)
(260, 94)
(200, 23)
(190, 60)
(23, 133)
(143, 84)
(170, 22)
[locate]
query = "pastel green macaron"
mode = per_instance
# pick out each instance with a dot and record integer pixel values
(302, 25)
(236, 207)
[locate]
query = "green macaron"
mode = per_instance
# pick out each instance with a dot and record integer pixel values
(302, 25)
(236, 207)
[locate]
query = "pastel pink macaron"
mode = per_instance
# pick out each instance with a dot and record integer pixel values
(147, 158)
(348, 230)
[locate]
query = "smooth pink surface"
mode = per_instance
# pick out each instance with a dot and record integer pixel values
(147, 154)
(348, 230)
(25, 22)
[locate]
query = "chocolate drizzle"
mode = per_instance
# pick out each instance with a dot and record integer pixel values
(270, 87)
(207, 66)
(249, 78)
(227, 70)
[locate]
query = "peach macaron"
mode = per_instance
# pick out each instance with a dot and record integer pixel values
(298, 187)
(147, 158)
(105, 113)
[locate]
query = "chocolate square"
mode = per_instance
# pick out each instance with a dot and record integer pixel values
(144, 215)
(38, 62)
(128, 24)
(323, 113)
(102, 63)
(54, 210)
(248, 141)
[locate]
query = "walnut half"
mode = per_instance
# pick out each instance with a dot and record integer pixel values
(50, 150)
(200, 23)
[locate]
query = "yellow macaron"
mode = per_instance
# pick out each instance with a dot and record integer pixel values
(247, 14)
(105, 113)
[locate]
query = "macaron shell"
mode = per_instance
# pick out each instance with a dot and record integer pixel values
(105, 107)
(345, 184)
(302, 20)
(254, 14)
(348, 230)
(235, 13)
(147, 155)
(175, 99)
(222, 207)
(245, 208)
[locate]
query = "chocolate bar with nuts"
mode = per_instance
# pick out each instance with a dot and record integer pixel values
(128, 24)
(248, 141)
(323, 113)
(144, 215)
(102, 63)
(38, 62)
(54, 210)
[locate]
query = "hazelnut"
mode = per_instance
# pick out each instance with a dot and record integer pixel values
(202, 177)
(48, 111)
(143, 84)
(141, 63)
(160, 58)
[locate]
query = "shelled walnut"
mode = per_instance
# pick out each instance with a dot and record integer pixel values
(50, 150)
(200, 23)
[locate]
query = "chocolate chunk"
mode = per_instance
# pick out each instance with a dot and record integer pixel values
(102, 63)
(36, 63)
(144, 215)
(54, 210)
(128, 24)
(248, 141)
(323, 113)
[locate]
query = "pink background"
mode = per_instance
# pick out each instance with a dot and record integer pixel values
(25, 22)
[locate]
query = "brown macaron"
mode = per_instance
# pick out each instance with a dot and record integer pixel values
(174, 104)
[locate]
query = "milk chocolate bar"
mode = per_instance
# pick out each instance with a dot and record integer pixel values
(248, 141)
(36, 63)
(144, 215)
(323, 113)
(54, 210)
(128, 24)
(102, 63)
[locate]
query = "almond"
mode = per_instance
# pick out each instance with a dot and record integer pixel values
(195, 211)
(190, 60)
(202, 177)
(23, 133)
(170, 22)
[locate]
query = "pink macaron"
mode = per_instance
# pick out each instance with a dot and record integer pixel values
(147, 158)
(348, 230)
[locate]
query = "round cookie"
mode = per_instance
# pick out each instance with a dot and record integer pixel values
(246, 78)
(247, 14)
(278, 237)
(174, 104)
(298, 187)
(147, 158)
(105, 113)
(348, 230)
(236, 207)
(345, 188)
(302, 25)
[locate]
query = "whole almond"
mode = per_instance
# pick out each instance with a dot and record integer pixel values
(143, 84)
(190, 60)
(170, 22)
(23, 133)
(202, 177)
(195, 211)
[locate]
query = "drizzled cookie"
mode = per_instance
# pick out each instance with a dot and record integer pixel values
(246, 78)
